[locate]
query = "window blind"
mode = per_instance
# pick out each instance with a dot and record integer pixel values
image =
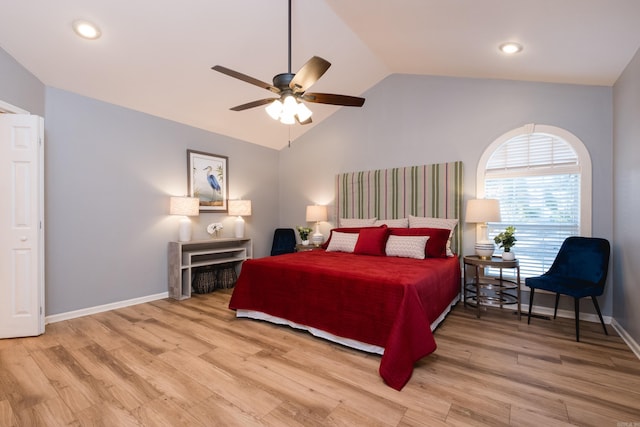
(536, 177)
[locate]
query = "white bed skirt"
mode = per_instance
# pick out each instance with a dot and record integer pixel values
(358, 345)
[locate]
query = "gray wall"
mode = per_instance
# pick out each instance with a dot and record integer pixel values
(19, 87)
(109, 173)
(626, 180)
(412, 120)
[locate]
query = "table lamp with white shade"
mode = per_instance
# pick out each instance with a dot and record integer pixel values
(317, 213)
(239, 208)
(186, 207)
(482, 211)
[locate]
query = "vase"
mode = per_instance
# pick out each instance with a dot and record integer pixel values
(305, 242)
(508, 256)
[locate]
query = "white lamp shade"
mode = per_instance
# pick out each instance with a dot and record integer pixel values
(240, 207)
(316, 213)
(187, 206)
(483, 210)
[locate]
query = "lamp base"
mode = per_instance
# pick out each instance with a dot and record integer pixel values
(485, 249)
(317, 239)
(184, 230)
(239, 228)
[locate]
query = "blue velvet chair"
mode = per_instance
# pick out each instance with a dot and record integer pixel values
(579, 270)
(284, 241)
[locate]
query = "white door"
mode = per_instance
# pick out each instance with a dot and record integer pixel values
(21, 225)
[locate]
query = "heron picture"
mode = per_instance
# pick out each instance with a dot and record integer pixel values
(208, 180)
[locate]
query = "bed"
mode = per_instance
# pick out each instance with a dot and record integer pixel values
(362, 296)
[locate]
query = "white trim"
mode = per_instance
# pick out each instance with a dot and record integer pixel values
(106, 307)
(628, 339)
(5, 107)
(567, 314)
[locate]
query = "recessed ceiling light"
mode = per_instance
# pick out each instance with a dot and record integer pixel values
(86, 30)
(510, 48)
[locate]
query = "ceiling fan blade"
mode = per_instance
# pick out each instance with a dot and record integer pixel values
(329, 98)
(253, 104)
(310, 72)
(248, 79)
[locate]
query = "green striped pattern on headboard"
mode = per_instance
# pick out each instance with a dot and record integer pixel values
(428, 190)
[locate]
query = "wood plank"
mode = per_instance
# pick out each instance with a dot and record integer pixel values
(192, 362)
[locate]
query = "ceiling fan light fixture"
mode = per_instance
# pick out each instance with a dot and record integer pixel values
(289, 105)
(304, 113)
(287, 119)
(274, 109)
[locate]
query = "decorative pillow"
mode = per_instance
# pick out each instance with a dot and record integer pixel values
(357, 222)
(372, 241)
(342, 242)
(400, 222)
(407, 246)
(449, 223)
(342, 230)
(438, 237)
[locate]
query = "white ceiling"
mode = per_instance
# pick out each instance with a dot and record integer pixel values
(155, 55)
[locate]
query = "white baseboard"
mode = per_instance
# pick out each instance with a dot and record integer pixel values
(101, 308)
(628, 339)
(569, 314)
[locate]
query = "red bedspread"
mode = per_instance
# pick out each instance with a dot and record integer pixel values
(386, 301)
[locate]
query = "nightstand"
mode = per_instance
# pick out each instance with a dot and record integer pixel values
(482, 290)
(303, 248)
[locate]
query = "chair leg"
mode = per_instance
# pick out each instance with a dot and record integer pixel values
(555, 310)
(530, 305)
(577, 305)
(595, 302)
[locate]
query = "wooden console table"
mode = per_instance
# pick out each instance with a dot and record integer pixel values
(185, 257)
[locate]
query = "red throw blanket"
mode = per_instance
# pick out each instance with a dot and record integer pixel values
(386, 301)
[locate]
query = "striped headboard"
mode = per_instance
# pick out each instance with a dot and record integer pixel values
(429, 190)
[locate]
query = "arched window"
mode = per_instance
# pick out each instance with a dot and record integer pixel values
(542, 177)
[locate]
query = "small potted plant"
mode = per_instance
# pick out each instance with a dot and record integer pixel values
(214, 228)
(506, 240)
(304, 234)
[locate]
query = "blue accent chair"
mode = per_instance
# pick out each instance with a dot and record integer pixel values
(284, 241)
(579, 270)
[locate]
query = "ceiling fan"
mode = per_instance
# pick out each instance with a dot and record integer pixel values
(292, 90)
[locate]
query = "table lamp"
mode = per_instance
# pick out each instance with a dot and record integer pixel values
(482, 211)
(186, 207)
(316, 214)
(239, 208)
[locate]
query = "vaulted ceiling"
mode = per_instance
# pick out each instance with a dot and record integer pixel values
(155, 56)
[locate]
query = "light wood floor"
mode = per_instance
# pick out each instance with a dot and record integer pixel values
(191, 363)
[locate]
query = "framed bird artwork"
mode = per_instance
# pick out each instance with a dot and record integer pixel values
(208, 181)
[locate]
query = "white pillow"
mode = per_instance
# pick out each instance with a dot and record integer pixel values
(398, 223)
(342, 242)
(357, 222)
(406, 246)
(428, 222)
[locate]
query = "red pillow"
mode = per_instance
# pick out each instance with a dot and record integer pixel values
(343, 230)
(372, 241)
(437, 243)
